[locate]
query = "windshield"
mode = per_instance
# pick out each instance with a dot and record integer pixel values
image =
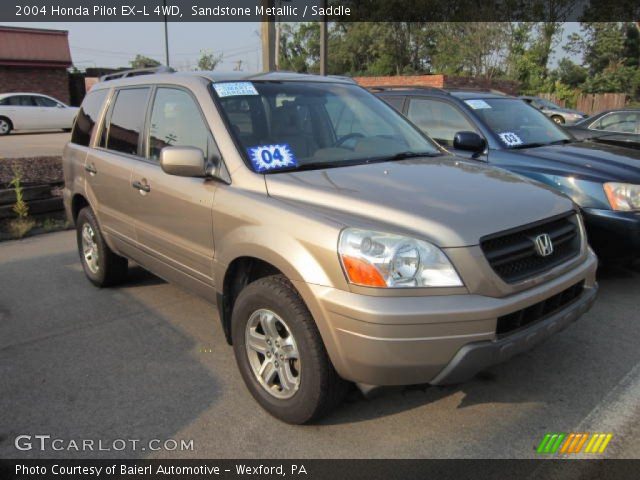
(295, 125)
(516, 124)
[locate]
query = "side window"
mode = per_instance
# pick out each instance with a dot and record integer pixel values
(625, 122)
(87, 117)
(396, 102)
(176, 121)
(45, 102)
(440, 120)
(4, 101)
(127, 119)
(21, 101)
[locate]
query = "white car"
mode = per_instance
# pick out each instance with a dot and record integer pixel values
(33, 111)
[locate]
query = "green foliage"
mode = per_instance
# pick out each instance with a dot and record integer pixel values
(208, 60)
(21, 225)
(604, 56)
(20, 208)
(140, 61)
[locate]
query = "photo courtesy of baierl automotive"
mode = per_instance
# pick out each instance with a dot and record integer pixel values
(339, 243)
(503, 131)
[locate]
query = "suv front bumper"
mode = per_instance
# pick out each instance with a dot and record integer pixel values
(437, 339)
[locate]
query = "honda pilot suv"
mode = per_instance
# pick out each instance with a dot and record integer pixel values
(339, 243)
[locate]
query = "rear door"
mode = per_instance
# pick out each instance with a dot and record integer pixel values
(52, 113)
(173, 215)
(109, 166)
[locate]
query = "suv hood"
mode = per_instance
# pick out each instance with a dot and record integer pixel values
(448, 201)
(588, 160)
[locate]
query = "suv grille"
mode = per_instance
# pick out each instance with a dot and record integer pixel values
(513, 254)
(514, 321)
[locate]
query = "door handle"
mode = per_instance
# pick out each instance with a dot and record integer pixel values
(91, 169)
(143, 187)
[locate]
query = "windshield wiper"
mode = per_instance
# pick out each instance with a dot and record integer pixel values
(404, 156)
(541, 144)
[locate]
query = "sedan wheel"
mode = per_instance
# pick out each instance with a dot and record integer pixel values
(5, 126)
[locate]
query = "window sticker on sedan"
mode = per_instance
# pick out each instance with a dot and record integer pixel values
(477, 104)
(234, 89)
(271, 157)
(510, 139)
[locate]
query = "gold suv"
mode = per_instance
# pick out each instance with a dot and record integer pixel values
(339, 243)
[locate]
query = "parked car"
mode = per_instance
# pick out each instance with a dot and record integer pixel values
(505, 132)
(555, 112)
(617, 127)
(33, 111)
(338, 242)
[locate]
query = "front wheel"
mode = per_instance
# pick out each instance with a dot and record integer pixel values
(280, 353)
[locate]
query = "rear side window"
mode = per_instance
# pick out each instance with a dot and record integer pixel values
(45, 102)
(127, 119)
(87, 117)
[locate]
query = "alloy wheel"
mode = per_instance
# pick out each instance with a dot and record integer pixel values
(273, 354)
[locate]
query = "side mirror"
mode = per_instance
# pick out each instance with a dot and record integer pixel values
(183, 161)
(469, 142)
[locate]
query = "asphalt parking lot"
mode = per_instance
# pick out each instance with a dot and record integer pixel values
(148, 361)
(33, 144)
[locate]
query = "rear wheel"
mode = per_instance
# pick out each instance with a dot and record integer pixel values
(558, 119)
(102, 267)
(5, 126)
(280, 353)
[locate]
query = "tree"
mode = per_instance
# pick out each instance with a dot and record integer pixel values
(300, 47)
(208, 60)
(140, 61)
(570, 73)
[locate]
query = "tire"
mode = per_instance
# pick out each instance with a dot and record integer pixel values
(558, 119)
(319, 388)
(105, 269)
(5, 126)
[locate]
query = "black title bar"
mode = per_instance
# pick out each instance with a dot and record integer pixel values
(317, 10)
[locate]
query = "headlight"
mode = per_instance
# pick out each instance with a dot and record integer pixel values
(624, 197)
(375, 259)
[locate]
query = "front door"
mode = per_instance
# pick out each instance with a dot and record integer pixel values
(173, 215)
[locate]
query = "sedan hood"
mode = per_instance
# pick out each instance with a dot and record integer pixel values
(587, 160)
(449, 201)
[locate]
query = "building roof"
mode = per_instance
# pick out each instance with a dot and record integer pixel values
(34, 47)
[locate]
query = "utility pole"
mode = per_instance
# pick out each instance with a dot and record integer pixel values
(268, 40)
(166, 35)
(323, 41)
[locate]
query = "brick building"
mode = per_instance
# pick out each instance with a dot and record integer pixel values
(35, 60)
(439, 81)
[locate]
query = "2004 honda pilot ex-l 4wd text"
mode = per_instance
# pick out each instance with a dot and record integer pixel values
(339, 243)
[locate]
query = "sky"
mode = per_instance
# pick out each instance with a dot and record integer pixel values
(115, 44)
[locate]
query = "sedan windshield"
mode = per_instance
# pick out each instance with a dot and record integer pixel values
(285, 126)
(517, 124)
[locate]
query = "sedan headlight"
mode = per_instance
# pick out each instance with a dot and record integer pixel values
(375, 259)
(623, 197)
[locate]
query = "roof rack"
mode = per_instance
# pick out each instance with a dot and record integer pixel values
(475, 89)
(135, 72)
(383, 88)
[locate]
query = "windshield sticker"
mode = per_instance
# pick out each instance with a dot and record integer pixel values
(477, 104)
(271, 157)
(510, 139)
(234, 89)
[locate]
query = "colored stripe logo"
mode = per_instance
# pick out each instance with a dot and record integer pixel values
(569, 443)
